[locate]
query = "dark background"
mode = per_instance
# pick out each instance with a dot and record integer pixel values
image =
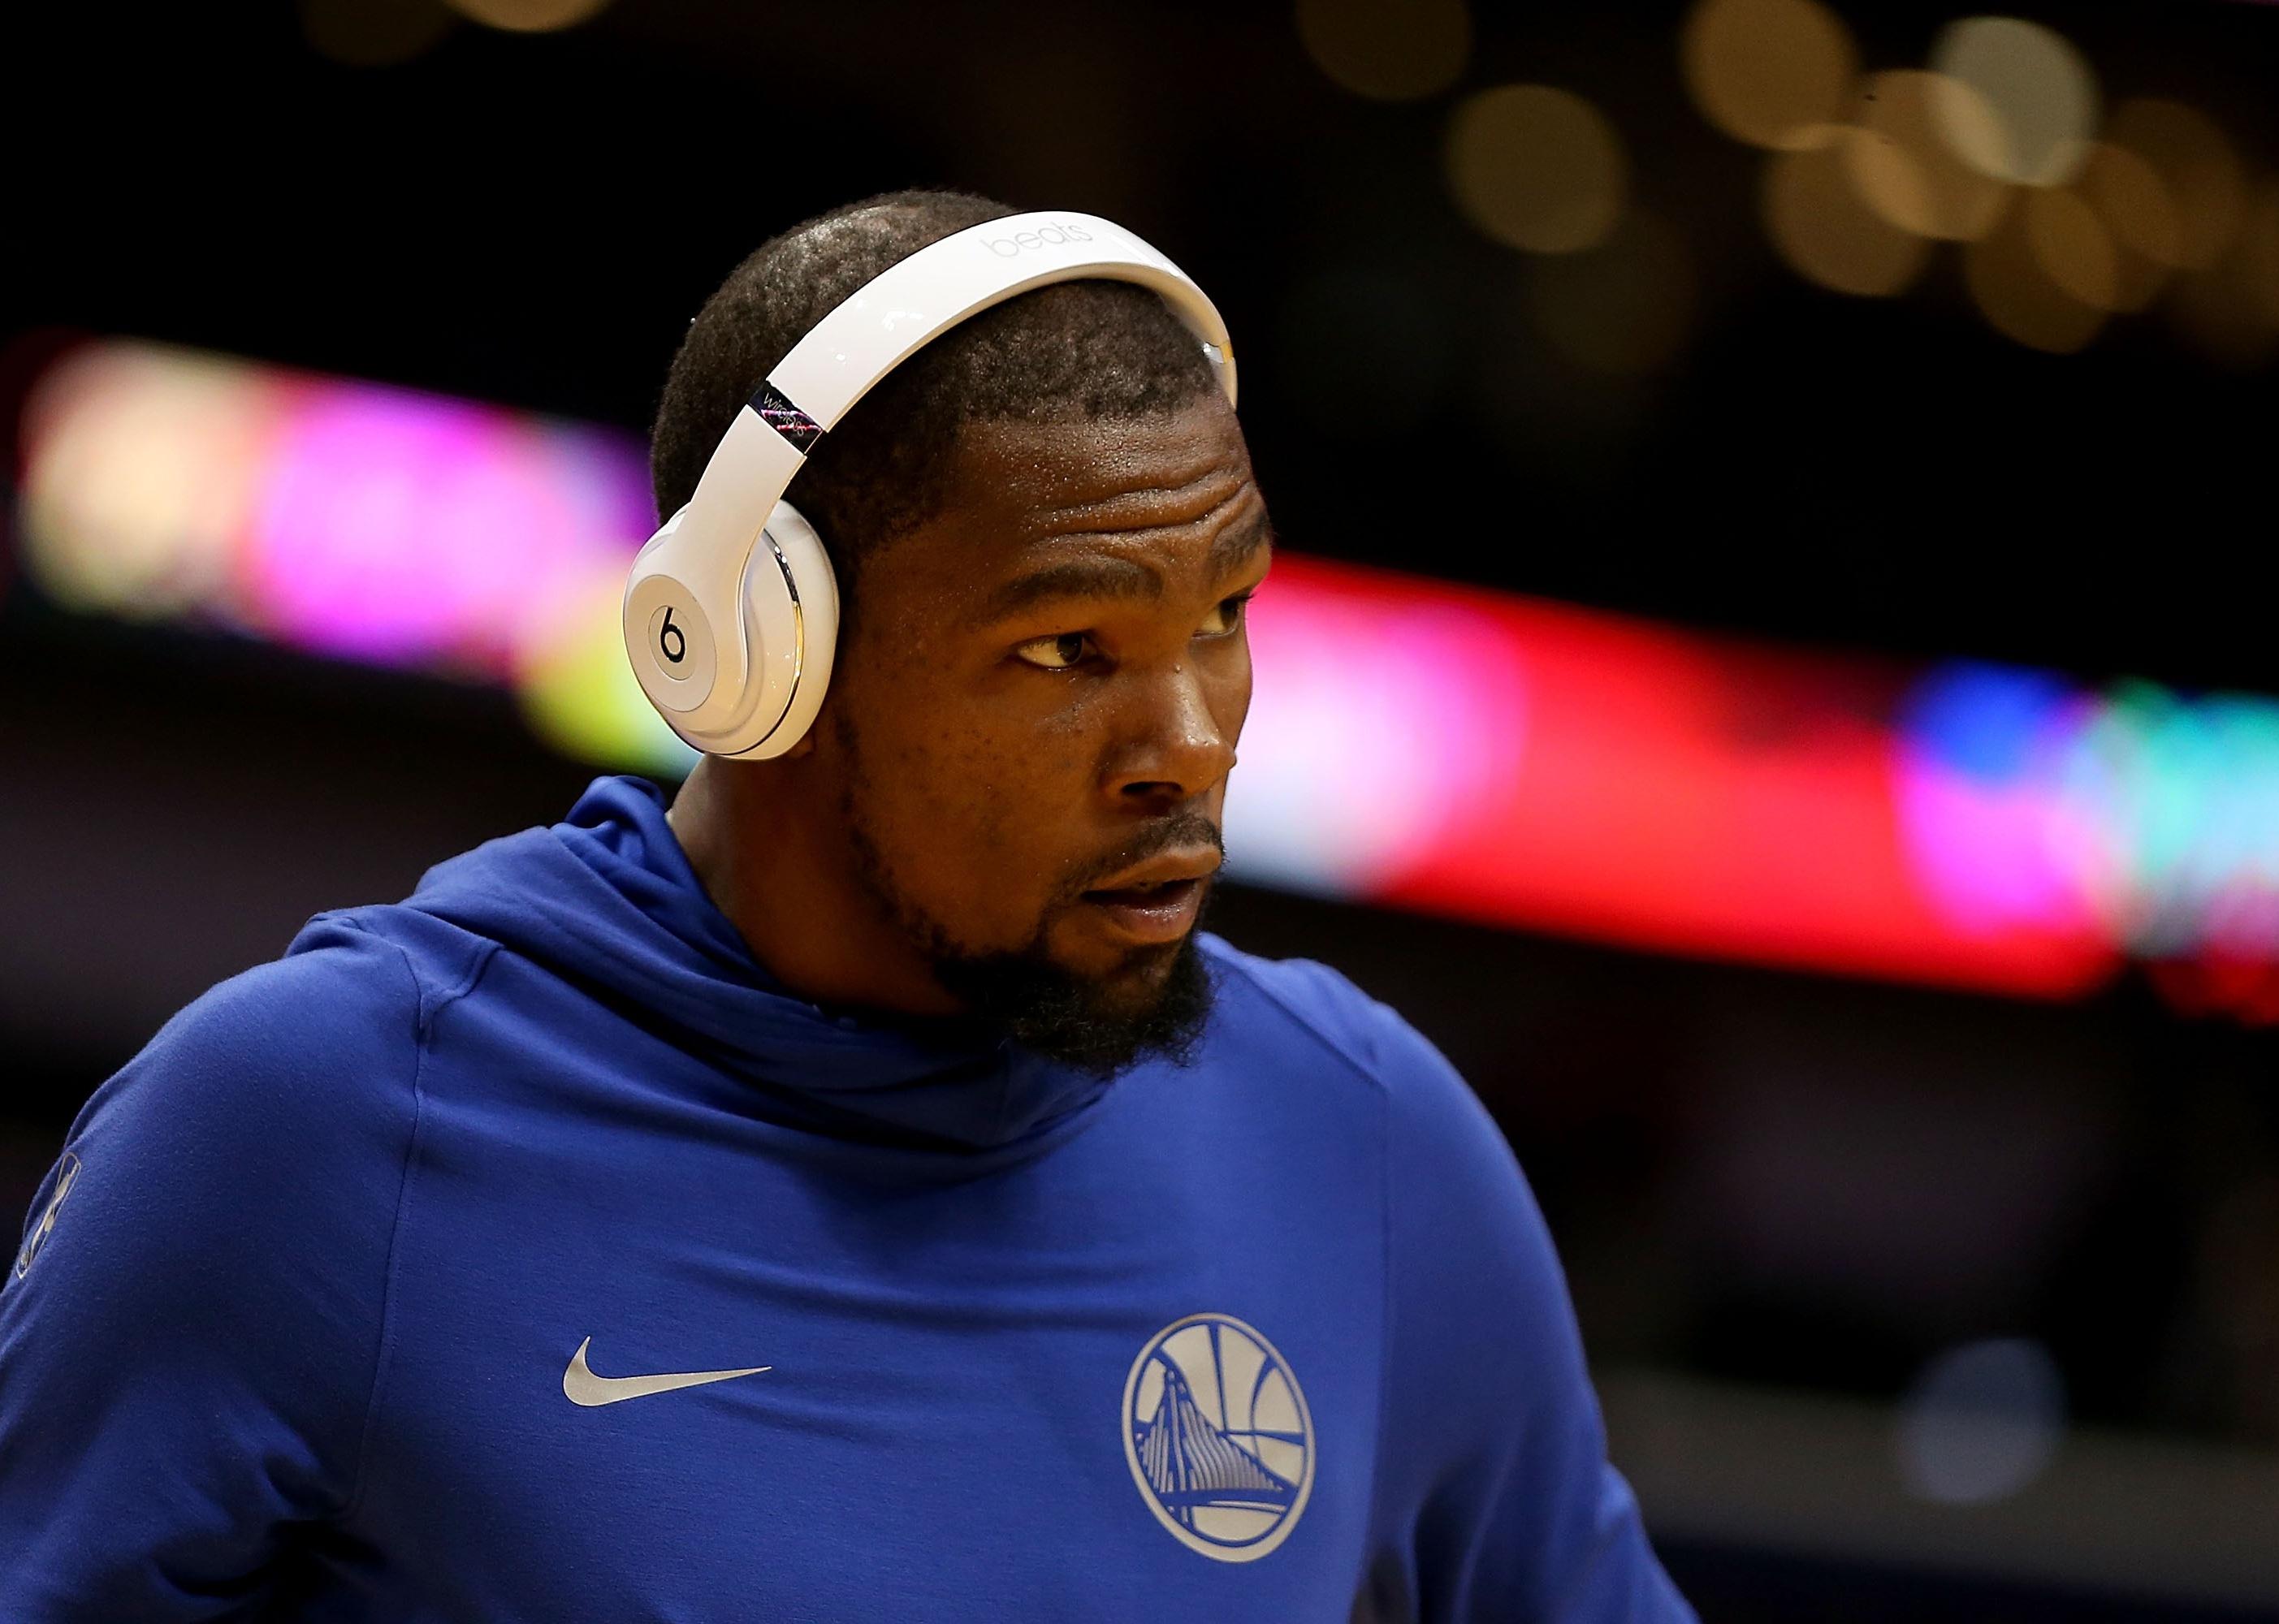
(1778, 1195)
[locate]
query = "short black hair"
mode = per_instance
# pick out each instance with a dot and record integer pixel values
(1089, 348)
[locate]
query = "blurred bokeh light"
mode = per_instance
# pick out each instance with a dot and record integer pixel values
(1982, 1421)
(2001, 144)
(1904, 165)
(1624, 307)
(1391, 50)
(352, 520)
(374, 33)
(2009, 277)
(2015, 99)
(2073, 247)
(528, 16)
(2205, 182)
(1771, 72)
(1536, 167)
(138, 481)
(2231, 308)
(2133, 205)
(1825, 228)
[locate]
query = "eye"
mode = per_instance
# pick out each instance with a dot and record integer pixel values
(1053, 654)
(1227, 617)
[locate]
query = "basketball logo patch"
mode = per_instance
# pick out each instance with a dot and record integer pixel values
(1218, 1438)
(35, 1236)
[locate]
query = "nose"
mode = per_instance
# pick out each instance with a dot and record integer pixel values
(1182, 743)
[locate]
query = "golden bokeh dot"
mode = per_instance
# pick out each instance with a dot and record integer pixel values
(2260, 243)
(2133, 205)
(374, 33)
(2041, 90)
(2129, 197)
(1390, 51)
(2072, 246)
(2018, 296)
(1536, 167)
(2231, 308)
(1825, 230)
(2207, 184)
(1767, 72)
(1625, 307)
(528, 16)
(1906, 172)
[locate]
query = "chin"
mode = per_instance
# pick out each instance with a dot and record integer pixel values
(1153, 1001)
(1119, 977)
(1135, 985)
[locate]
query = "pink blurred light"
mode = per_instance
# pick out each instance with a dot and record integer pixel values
(409, 529)
(1378, 720)
(2002, 852)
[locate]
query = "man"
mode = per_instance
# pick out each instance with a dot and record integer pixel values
(860, 1193)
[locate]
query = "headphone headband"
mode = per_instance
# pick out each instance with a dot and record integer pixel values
(918, 299)
(731, 612)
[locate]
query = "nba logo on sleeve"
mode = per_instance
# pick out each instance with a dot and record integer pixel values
(1218, 1438)
(36, 1237)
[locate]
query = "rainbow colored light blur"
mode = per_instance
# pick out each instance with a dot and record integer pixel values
(1412, 743)
(348, 519)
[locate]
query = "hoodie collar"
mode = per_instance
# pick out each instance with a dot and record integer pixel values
(608, 896)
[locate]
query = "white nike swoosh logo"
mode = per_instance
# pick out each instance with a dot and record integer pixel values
(581, 1386)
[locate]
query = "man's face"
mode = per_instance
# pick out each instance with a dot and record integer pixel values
(1042, 692)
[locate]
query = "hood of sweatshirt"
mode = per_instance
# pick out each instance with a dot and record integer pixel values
(607, 900)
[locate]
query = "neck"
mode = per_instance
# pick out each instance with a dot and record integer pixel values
(768, 842)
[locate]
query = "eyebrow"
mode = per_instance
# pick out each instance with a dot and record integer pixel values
(1117, 578)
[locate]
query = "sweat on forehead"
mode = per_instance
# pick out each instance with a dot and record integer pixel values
(1100, 472)
(1171, 494)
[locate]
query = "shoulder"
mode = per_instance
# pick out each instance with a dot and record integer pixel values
(308, 1061)
(1336, 1014)
(1450, 1170)
(342, 991)
(224, 1253)
(250, 1158)
(352, 983)
(1425, 1092)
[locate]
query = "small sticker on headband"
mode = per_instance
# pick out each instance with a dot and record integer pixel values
(776, 411)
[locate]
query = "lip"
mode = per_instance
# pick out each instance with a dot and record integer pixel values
(1192, 863)
(1165, 917)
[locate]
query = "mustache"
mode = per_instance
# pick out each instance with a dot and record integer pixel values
(1182, 829)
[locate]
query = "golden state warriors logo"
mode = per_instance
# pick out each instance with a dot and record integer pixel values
(1218, 1438)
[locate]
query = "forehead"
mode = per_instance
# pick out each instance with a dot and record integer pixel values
(1023, 493)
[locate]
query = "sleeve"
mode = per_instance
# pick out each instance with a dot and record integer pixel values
(1492, 1451)
(191, 1332)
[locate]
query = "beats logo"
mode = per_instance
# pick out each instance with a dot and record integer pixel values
(1006, 248)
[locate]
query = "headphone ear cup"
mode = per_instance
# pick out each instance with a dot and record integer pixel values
(668, 635)
(791, 602)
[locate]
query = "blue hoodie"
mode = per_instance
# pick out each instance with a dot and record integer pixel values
(526, 1251)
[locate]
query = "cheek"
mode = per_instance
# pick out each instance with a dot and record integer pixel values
(980, 825)
(1234, 708)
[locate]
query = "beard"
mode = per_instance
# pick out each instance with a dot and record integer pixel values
(1089, 1024)
(1037, 1003)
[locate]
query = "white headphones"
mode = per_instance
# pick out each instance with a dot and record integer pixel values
(732, 613)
